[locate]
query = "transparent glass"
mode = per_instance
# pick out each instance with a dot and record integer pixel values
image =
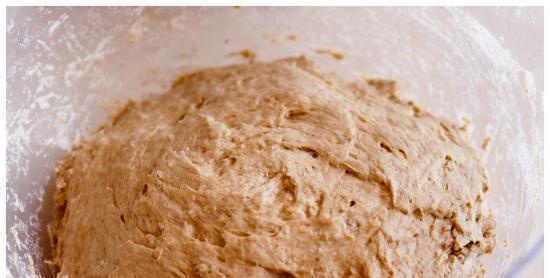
(69, 68)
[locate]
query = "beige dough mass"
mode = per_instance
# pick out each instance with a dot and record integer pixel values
(272, 170)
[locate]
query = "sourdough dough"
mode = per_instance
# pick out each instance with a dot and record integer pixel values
(272, 170)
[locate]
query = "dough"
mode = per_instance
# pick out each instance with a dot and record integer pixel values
(272, 170)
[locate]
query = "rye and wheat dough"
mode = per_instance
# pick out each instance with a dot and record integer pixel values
(272, 170)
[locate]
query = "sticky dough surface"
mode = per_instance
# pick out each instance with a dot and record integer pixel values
(272, 170)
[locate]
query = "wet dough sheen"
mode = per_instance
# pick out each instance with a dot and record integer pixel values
(272, 170)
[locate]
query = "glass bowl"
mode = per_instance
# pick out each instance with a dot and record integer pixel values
(68, 69)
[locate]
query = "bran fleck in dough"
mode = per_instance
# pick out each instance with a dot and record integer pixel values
(272, 170)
